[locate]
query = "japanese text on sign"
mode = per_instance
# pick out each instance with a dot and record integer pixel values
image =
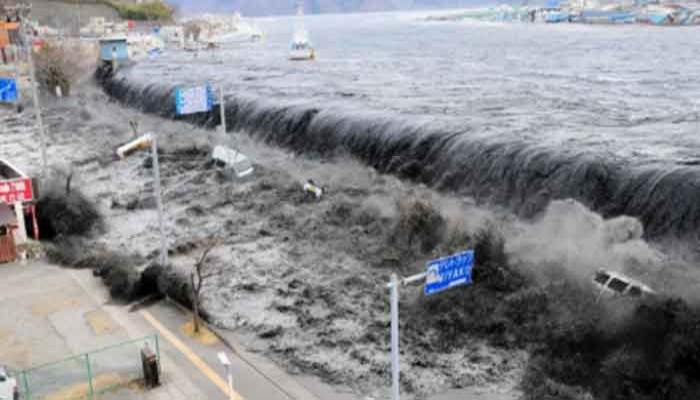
(16, 190)
(449, 272)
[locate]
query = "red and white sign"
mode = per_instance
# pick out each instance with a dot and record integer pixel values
(16, 190)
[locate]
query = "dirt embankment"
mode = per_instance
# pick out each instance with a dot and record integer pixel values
(303, 279)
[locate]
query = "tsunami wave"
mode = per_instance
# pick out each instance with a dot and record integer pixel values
(507, 172)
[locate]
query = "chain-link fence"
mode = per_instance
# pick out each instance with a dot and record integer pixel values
(86, 375)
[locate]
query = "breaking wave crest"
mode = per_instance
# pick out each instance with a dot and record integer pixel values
(512, 173)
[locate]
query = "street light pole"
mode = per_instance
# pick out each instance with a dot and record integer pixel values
(159, 202)
(150, 140)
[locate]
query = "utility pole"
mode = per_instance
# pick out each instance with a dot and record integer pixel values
(159, 202)
(141, 143)
(24, 11)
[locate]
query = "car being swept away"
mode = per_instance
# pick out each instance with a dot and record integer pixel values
(8, 385)
(613, 284)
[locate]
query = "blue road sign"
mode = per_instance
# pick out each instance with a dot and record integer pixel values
(8, 90)
(194, 100)
(448, 272)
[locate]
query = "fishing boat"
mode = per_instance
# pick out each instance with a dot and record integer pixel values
(301, 48)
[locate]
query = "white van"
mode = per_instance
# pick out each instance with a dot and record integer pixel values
(613, 283)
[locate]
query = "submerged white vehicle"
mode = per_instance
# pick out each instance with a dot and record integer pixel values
(612, 284)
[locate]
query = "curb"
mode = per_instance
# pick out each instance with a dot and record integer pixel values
(242, 354)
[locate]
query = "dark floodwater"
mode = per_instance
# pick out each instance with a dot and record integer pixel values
(517, 113)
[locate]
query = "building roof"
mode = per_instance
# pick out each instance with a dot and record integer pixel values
(9, 171)
(113, 40)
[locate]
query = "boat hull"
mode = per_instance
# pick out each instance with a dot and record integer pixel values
(302, 55)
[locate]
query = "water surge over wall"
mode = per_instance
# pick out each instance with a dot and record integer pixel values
(516, 174)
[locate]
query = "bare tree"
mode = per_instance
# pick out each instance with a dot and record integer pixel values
(202, 272)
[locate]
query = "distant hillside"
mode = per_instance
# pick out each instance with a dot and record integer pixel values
(276, 7)
(66, 14)
(69, 13)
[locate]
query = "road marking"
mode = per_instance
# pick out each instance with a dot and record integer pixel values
(187, 352)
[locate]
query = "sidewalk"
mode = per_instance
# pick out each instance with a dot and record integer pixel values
(254, 377)
(48, 313)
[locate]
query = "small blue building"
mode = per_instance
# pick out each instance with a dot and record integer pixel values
(114, 48)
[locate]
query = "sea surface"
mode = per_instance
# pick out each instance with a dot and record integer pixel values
(631, 91)
(609, 115)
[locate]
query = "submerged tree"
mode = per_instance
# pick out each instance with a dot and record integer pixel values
(202, 271)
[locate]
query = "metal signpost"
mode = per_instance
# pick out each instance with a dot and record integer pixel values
(441, 274)
(149, 140)
(201, 99)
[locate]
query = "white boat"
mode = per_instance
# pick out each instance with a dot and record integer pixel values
(243, 32)
(301, 48)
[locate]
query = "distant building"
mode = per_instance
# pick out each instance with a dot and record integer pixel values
(114, 50)
(9, 36)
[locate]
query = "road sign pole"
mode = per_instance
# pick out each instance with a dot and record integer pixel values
(159, 202)
(395, 371)
(441, 274)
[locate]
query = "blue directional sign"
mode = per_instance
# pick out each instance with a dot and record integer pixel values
(8, 90)
(448, 272)
(194, 100)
